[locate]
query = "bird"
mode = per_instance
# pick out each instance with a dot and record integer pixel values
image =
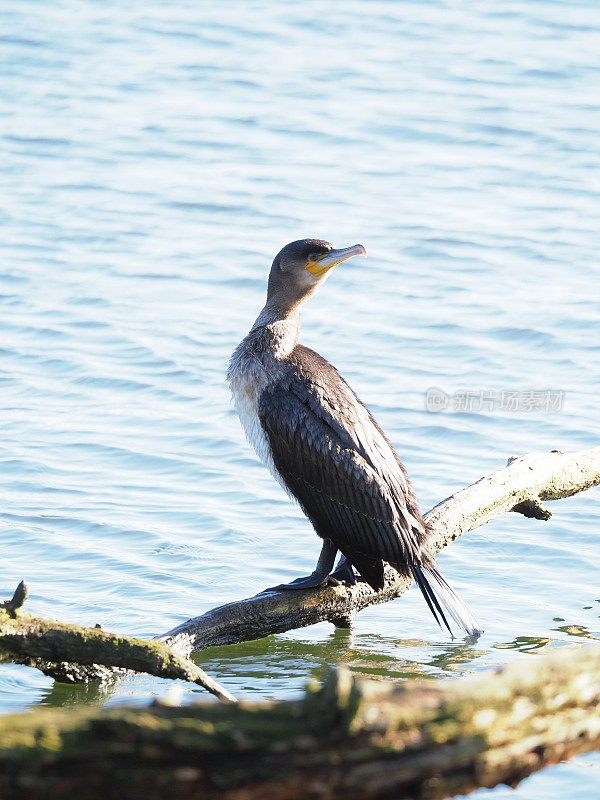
(325, 448)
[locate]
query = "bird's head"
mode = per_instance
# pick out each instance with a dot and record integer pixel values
(300, 267)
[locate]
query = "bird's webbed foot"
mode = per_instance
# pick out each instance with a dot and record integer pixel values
(309, 582)
(343, 573)
(320, 575)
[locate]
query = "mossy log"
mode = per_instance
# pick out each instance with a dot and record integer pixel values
(61, 649)
(350, 738)
(519, 487)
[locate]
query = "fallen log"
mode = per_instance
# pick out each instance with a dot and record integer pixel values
(349, 738)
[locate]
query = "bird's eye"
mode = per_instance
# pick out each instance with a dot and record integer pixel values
(314, 256)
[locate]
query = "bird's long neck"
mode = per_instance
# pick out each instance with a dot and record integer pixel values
(279, 327)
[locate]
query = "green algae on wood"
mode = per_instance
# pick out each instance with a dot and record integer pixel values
(350, 738)
(36, 640)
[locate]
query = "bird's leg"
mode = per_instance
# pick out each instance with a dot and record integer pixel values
(321, 571)
(343, 572)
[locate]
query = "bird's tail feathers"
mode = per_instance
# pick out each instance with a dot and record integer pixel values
(440, 596)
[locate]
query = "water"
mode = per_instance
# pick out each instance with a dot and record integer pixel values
(155, 157)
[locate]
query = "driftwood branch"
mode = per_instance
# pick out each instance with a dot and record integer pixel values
(350, 738)
(521, 487)
(61, 649)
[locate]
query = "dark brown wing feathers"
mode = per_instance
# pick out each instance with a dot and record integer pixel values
(307, 420)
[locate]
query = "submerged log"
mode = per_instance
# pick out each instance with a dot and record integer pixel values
(521, 487)
(350, 738)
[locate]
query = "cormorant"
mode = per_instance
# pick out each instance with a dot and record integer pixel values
(324, 447)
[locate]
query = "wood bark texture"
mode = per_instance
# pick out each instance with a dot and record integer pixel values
(66, 650)
(350, 739)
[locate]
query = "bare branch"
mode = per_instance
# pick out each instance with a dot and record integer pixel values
(520, 487)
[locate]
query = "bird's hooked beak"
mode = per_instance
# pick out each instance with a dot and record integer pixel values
(323, 264)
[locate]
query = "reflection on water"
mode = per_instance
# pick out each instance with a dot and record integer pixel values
(527, 644)
(89, 694)
(578, 630)
(524, 644)
(282, 661)
(460, 656)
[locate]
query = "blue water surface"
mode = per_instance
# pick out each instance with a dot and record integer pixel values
(155, 156)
